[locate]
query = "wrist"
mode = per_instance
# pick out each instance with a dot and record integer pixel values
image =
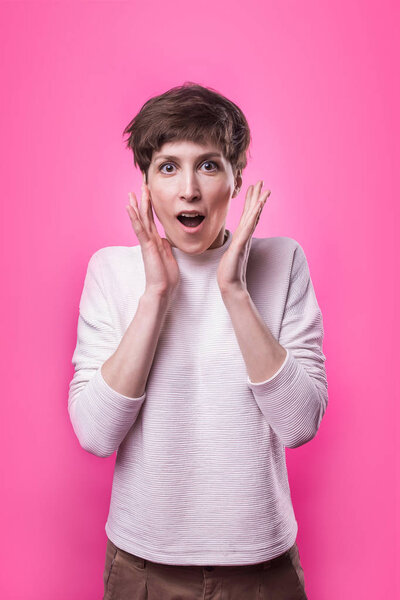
(156, 297)
(233, 291)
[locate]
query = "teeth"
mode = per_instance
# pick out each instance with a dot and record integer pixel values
(190, 215)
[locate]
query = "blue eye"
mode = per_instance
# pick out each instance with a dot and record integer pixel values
(216, 167)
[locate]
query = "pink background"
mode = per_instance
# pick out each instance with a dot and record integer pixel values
(318, 82)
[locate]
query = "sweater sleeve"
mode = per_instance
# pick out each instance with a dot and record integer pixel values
(295, 398)
(100, 416)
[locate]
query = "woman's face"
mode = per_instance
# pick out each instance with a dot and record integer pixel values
(186, 176)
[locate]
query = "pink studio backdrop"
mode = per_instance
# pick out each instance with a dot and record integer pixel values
(318, 83)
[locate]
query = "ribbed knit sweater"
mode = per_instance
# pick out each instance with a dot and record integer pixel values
(200, 476)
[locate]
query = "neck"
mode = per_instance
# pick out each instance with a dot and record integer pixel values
(209, 257)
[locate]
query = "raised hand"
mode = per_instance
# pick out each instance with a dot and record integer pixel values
(231, 272)
(161, 268)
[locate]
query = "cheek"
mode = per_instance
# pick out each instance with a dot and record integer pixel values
(221, 200)
(160, 200)
(155, 206)
(156, 201)
(161, 216)
(224, 193)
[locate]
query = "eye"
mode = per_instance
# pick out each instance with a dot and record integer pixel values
(207, 162)
(211, 162)
(164, 165)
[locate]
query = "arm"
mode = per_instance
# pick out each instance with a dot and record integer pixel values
(108, 386)
(261, 352)
(288, 379)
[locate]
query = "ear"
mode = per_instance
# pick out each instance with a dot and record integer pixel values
(238, 183)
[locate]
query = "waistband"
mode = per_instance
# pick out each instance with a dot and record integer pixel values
(218, 569)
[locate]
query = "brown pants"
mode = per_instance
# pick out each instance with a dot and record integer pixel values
(129, 577)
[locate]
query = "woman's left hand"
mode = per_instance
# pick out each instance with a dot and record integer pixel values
(231, 273)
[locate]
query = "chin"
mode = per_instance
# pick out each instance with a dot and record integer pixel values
(203, 240)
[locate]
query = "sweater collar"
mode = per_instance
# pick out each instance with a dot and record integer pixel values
(209, 257)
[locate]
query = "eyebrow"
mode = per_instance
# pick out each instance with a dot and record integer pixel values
(171, 157)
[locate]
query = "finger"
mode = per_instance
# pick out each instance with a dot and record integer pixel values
(257, 189)
(254, 218)
(251, 203)
(144, 204)
(133, 205)
(132, 212)
(133, 217)
(151, 214)
(252, 195)
(251, 219)
(265, 195)
(150, 219)
(261, 201)
(147, 218)
(148, 215)
(257, 219)
(137, 224)
(248, 198)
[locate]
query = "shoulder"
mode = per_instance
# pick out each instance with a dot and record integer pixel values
(117, 268)
(279, 258)
(284, 243)
(280, 250)
(115, 264)
(109, 253)
(115, 257)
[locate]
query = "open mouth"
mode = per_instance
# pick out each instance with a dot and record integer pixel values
(191, 224)
(191, 221)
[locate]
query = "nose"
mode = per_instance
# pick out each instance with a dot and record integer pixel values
(189, 187)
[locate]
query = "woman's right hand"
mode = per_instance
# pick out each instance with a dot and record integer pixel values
(161, 268)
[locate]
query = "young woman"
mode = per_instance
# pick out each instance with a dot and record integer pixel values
(199, 360)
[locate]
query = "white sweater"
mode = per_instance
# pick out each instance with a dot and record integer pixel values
(200, 474)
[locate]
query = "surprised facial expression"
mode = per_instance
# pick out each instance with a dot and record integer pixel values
(186, 177)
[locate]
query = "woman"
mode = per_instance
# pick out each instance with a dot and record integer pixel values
(199, 360)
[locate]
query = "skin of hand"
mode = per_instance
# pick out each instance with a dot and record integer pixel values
(231, 272)
(161, 268)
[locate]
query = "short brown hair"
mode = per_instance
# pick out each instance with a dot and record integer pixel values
(189, 112)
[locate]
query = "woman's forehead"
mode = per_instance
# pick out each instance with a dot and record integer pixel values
(185, 146)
